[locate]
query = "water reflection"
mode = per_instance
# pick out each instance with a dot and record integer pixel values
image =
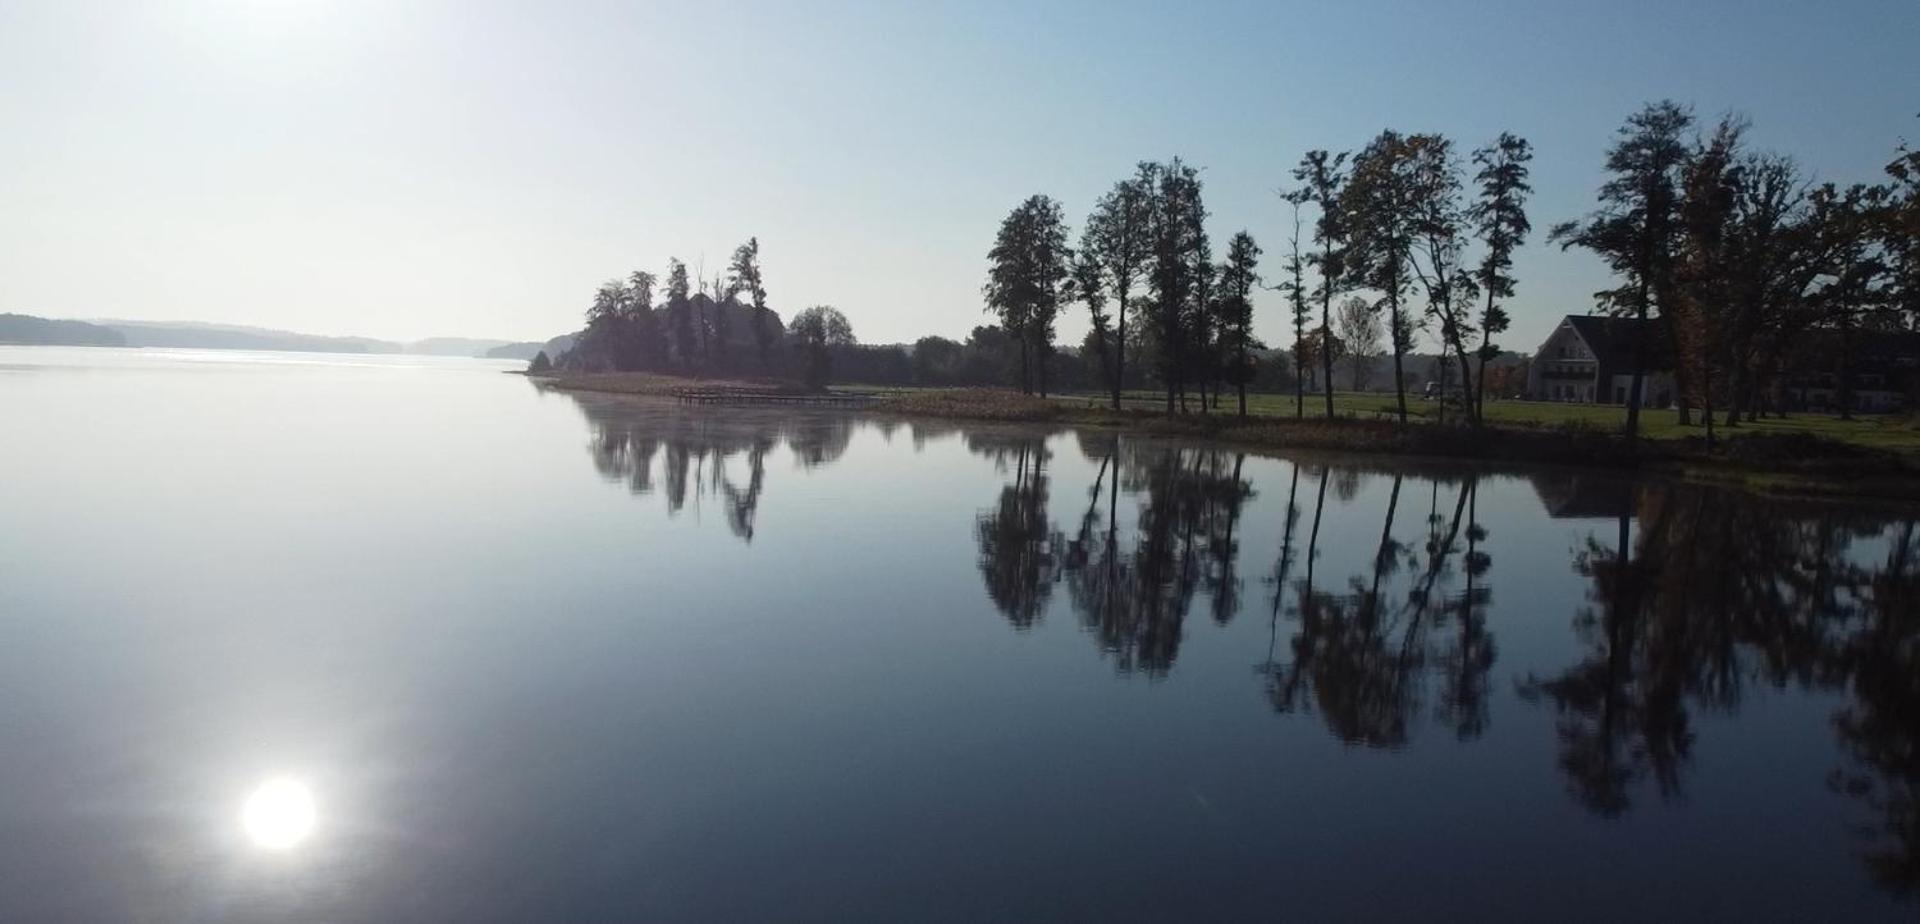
(703, 456)
(1018, 545)
(1702, 595)
(1366, 651)
(1684, 600)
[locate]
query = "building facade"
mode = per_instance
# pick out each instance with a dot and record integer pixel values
(1589, 360)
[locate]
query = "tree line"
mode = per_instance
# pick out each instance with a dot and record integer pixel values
(1726, 257)
(1732, 256)
(1393, 217)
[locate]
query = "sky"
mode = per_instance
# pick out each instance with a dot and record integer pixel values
(401, 170)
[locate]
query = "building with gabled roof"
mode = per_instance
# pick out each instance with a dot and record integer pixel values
(1588, 359)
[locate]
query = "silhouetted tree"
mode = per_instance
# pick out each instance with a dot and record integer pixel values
(1115, 249)
(1499, 217)
(1298, 310)
(1440, 238)
(649, 342)
(1381, 203)
(1324, 181)
(744, 275)
(1177, 274)
(816, 331)
(1635, 228)
(1234, 306)
(1028, 267)
(680, 320)
(1359, 329)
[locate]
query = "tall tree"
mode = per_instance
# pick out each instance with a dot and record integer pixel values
(1379, 203)
(817, 331)
(1176, 277)
(1359, 327)
(1295, 288)
(720, 299)
(744, 275)
(1324, 179)
(1116, 246)
(1852, 271)
(1201, 328)
(1027, 275)
(1899, 226)
(1499, 217)
(1234, 305)
(1089, 289)
(1706, 262)
(1634, 230)
(680, 320)
(1440, 234)
(649, 342)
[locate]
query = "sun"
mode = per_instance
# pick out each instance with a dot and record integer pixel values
(279, 814)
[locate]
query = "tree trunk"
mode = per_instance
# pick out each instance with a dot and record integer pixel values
(1299, 382)
(1638, 350)
(1736, 396)
(1120, 352)
(1466, 382)
(1682, 373)
(1399, 371)
(1706, 400)
(1040, 360)
(1844, 393)
(1479, 397)
(1326, 331)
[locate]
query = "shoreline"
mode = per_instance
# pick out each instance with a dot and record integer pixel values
(1791, 465)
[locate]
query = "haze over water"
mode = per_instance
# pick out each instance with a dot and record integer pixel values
(529, 654)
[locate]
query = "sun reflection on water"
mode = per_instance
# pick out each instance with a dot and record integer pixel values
(279, 814)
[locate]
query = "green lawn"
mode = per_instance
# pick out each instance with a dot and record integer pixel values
(1901, 434)
(1895, 433)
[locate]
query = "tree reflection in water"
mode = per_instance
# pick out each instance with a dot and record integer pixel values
(1018, 543)
(1133, 594)
(701, 455)
(1694, 596)
(1361, 657)
(1703, 593)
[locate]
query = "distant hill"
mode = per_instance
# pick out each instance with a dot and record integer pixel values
(455, 346)
(195, 335)
(529, 349)
(23, 328)
(200, 335)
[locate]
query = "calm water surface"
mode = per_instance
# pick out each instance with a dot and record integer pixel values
(520, 655)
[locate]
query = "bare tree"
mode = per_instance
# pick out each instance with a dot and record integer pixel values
(1359, 328)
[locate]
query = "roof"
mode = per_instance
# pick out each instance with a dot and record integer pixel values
(1611, 340)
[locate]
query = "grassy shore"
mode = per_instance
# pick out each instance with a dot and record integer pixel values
(1803, 455)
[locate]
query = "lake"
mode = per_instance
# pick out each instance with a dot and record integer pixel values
(370, 638)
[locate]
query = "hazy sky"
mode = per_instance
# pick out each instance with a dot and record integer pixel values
(404, 169)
